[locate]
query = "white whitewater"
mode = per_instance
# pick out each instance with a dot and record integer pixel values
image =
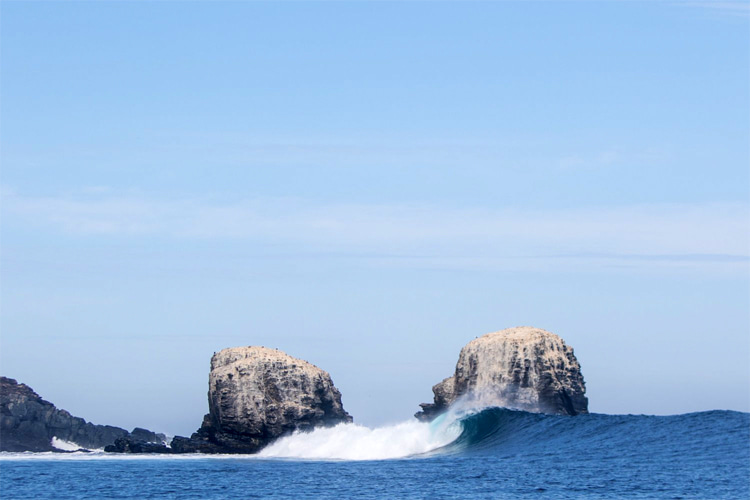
(342, 442)
(356, 442)
(63, 445)
(102, 455)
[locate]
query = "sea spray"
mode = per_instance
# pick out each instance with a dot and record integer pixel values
(64, 445)
(357, 442)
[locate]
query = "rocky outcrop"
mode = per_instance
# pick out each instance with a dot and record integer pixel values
(257, 394)
(524, 368)
(147, 436)
(140, 440)
(29, 423)
(131, 444)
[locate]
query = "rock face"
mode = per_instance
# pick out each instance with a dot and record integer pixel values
(524, 368)
(147, 436)
(140, 440)
(28, 423)
(131, 444)
(257, 394)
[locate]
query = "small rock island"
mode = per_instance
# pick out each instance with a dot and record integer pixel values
(256, 395)
(524, 368)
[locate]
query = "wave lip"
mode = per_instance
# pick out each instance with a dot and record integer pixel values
(468, 424)
(356, 442)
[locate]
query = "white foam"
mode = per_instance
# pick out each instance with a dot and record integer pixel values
(101, 455)
(342, 442)
(63, 445)
(356, 442)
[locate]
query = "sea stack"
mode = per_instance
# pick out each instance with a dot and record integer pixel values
(523, 368)
(255, 395)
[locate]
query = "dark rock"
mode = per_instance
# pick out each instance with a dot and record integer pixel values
(147, 436)
(28, 423)
(429, 411)
(132, 445)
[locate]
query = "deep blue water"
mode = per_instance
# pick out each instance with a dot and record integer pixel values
(499, 454)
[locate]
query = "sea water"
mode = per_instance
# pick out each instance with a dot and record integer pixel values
(493, 453)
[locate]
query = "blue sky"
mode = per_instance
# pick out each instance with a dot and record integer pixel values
(369, 186)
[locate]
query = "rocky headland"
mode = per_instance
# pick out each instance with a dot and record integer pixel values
(257, 394)
(524, 368)
(29, 423)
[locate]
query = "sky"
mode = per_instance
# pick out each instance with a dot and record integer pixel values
(368, 187)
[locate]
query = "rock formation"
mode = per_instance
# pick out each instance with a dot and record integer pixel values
(257, 394)
(28, 423)
(140, 441)
(132, 444)
(523, 368)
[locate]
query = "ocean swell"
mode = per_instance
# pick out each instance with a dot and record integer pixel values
(498, 433)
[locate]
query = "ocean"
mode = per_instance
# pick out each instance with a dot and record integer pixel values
(494, 453)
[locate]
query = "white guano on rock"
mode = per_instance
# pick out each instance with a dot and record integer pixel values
(257, 394)
(524, 368)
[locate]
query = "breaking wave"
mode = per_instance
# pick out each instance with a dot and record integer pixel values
(499, 432)
(460, 428)
(356, 442)
(511, 433)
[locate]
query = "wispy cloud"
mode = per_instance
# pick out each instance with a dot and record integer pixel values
(601, 160)
(660, 233)
(608, 158)
(738, 8)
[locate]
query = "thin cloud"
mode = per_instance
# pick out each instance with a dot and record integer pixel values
(738, 8)
(697, 233)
